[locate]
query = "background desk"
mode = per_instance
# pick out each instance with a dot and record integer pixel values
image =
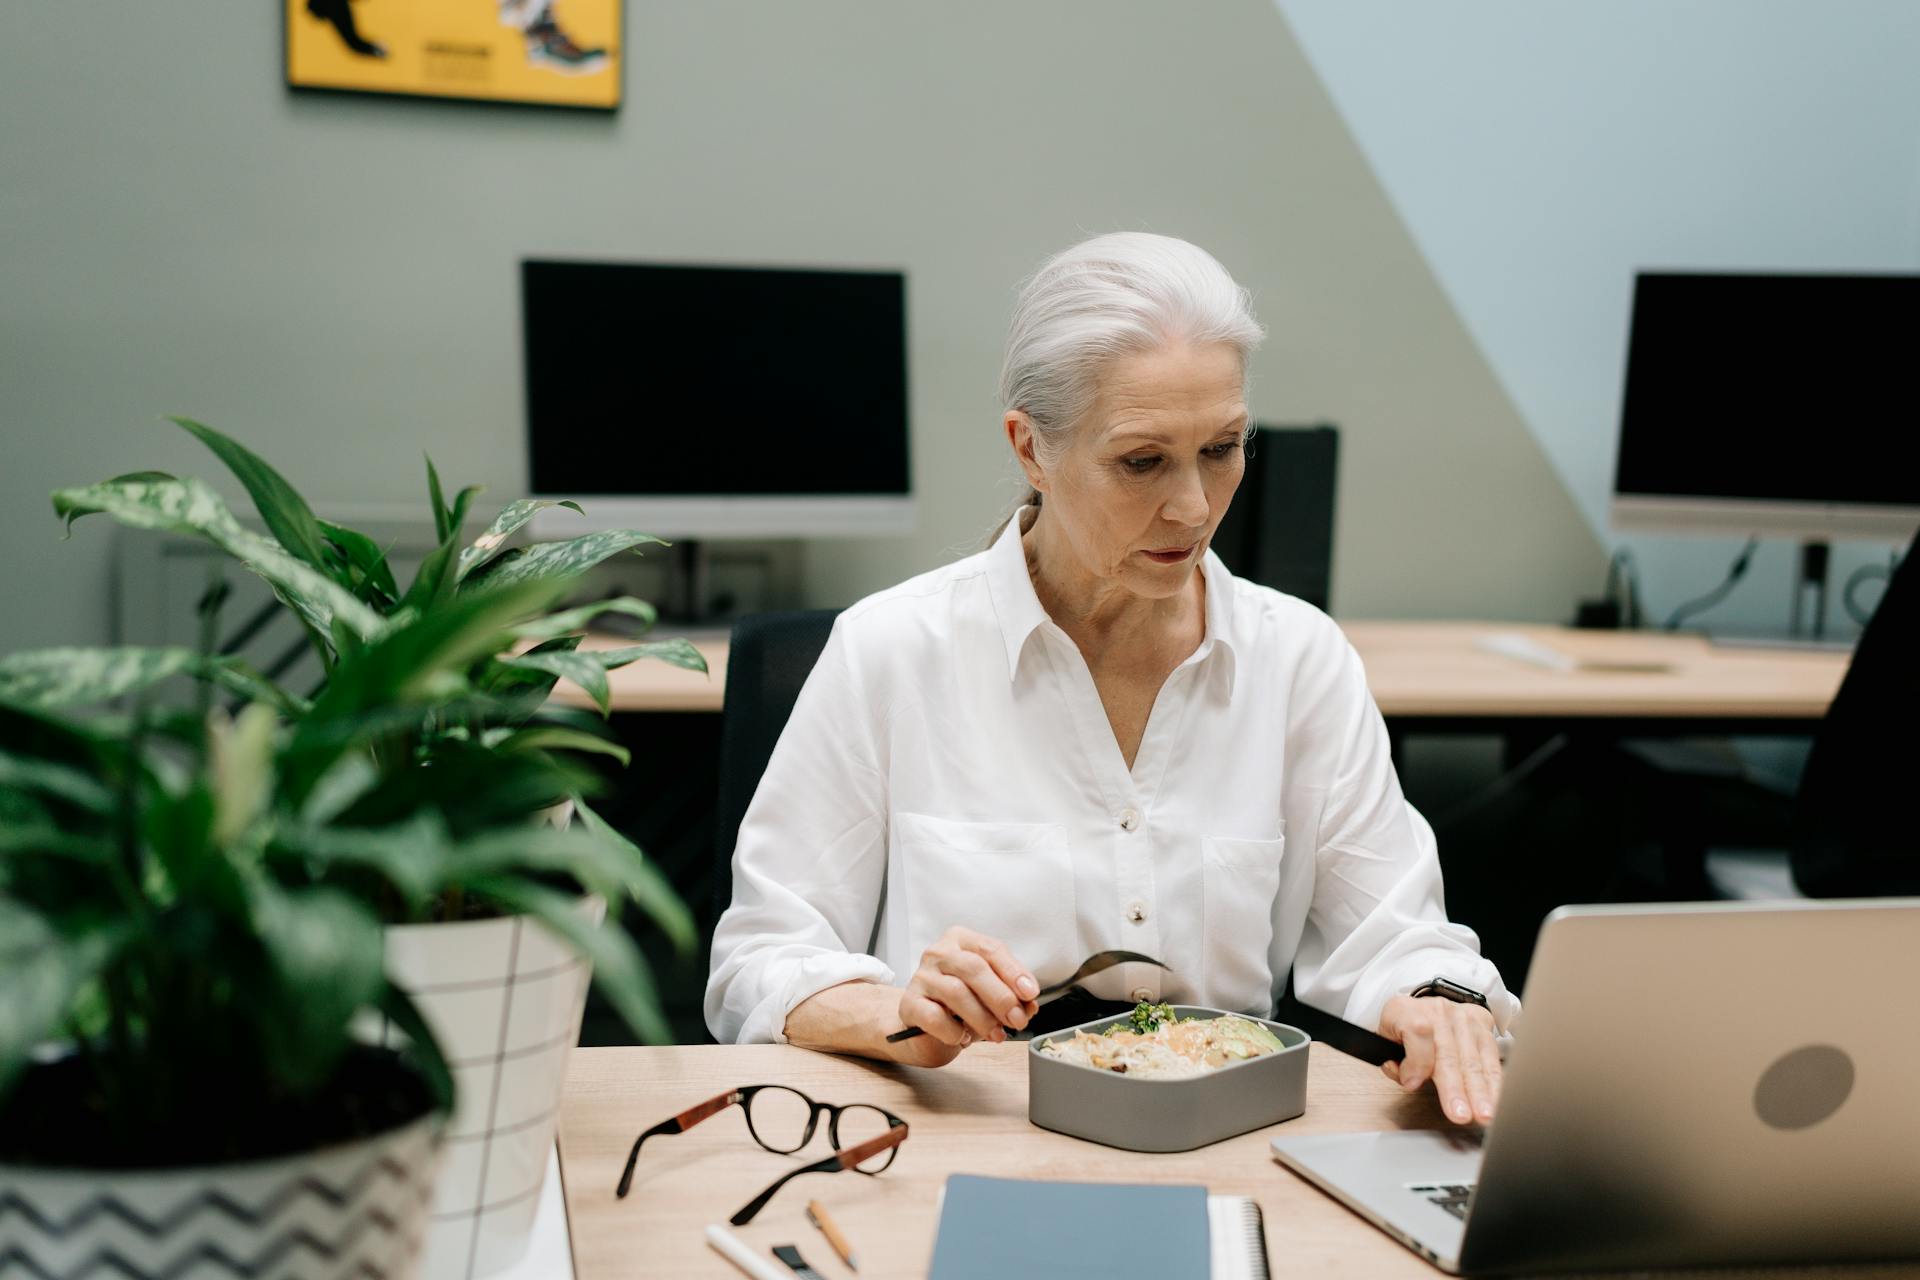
(1434, 677)
(969, 1117)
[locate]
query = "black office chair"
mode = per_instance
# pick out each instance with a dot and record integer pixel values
(1279, 530)
(1854, 833)
(768, 660)
(1846, 829)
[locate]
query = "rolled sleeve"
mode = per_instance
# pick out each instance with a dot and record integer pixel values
(809, 867)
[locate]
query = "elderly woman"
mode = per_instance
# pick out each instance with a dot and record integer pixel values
(1093, 736)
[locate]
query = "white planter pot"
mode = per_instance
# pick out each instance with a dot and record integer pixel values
(505, 998)
(356, 1210)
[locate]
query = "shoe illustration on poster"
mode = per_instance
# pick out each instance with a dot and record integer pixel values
(550, 52)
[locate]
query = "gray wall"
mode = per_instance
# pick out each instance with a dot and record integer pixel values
(333, 279)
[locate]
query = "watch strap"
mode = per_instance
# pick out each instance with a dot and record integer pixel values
(1448, 989)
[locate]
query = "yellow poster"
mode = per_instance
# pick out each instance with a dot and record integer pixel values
(555, 52)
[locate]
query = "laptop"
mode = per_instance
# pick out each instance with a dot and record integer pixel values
(1689, 1085)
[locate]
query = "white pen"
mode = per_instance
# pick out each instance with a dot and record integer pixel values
(731, 1247)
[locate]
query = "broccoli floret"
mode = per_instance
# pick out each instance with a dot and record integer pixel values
(1147, 1018)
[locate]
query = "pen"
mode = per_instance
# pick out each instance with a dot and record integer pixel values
(735, 1251)
(817, 1214)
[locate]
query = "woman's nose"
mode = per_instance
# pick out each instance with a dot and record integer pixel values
(1187, 504)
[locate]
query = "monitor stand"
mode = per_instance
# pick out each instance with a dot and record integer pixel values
(688, 600)
(1815, 557)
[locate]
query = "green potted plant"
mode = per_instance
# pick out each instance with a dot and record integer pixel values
(497, 973)
(192, 984)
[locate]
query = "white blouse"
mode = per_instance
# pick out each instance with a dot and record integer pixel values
(949, 763)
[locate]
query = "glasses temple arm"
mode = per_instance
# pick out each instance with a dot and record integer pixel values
(832, 1164)
(678, 1124)
(633, 1156)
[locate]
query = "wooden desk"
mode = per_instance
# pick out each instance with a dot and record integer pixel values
(969, 1117)
(1432, 676)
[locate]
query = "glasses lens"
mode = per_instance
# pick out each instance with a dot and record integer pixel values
(778, 1117)
(857, 1125)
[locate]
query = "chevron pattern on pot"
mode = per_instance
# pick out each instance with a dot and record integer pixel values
(357, 1210)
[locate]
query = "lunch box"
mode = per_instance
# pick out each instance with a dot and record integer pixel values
(1167, 1115)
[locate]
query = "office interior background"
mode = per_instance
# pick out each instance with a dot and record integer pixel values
(1440, 211)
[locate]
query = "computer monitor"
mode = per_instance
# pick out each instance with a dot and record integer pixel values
(717, 402)
(1772, 404)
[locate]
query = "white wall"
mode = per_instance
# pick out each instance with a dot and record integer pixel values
(1540, 151)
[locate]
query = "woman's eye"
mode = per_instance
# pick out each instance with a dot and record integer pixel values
(1140, 466)
(1219, 451)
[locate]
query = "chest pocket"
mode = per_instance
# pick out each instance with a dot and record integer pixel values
(1009, 880)
(1240, 879)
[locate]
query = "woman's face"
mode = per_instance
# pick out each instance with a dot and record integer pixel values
(1139, 490)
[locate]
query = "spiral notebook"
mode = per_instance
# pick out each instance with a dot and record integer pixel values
(1095, 1230)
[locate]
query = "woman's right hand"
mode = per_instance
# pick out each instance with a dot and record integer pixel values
(968, 987)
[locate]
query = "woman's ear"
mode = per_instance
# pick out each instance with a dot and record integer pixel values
(1020, 435)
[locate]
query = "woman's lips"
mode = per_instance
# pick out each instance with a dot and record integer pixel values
(1169, 555)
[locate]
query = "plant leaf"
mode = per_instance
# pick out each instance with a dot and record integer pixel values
(190, 507)
(430, 583)
(43, 966)
(645, 882)
(439, 500)
(351, 777)
(584, 669)
(505, 525)
(571, 620)
(241, 759)
(552, 737)
(569, 559)
(69, 676)
(364, 554)
(418, 663)
(324, 951)
(413, 856)
(287, 516)
(619, 970)
(79, 677)
(676, 652)
(56, 780)
(423, 1046)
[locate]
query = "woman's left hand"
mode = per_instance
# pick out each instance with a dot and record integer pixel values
(1451, 1044)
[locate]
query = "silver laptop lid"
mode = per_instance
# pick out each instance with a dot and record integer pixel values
(1704, 1084)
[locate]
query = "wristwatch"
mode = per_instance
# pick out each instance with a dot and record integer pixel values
(1448, 989)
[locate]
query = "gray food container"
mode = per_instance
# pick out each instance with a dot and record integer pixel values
(1167, 1115)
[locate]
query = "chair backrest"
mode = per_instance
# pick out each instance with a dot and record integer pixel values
(1279, 530)
(1854, 831)
(768, 660)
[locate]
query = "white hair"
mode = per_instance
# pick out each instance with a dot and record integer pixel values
(1113, 295)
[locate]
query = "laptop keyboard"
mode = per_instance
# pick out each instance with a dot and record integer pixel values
(1453, 1197)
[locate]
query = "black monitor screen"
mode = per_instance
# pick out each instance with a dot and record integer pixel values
(1782, 388)
(689, 381)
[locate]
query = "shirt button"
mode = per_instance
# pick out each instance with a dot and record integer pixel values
(1139, 994)
(1129, 819)
(1137, 912)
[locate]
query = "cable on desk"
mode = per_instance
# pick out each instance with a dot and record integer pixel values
(1867, 573)
(1700, 604)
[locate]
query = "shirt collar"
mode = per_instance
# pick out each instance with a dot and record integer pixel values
(1020, 613)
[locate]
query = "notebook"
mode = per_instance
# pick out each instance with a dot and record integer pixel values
(1094, 1230)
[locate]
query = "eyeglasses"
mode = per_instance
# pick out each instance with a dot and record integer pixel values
(783, 1120)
